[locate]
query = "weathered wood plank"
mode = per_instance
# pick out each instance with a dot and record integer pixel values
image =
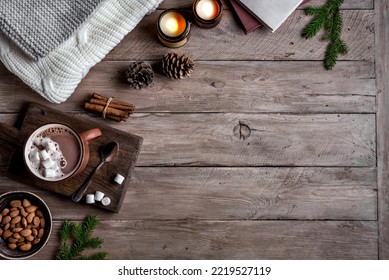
(238, 86)
(234, 193)
(382, 67)
(228, 42)
(245, 86)
(232, 240)
(348, 4)
(255, 140)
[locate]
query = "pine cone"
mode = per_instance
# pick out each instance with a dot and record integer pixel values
(139, 75)
(177, 65)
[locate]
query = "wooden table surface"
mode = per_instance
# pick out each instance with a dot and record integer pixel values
(260, 154)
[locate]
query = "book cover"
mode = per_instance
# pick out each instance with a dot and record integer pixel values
(248, 22)
(271, 13)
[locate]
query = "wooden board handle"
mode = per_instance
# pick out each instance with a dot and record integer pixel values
(9, 134)
(9, 141)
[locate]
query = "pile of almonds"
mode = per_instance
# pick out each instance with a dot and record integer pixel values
(22, 225)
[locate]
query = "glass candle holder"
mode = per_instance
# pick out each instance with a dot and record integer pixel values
(207, 13)
(173, 28)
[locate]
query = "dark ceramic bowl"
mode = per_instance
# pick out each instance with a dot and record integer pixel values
(5, 200)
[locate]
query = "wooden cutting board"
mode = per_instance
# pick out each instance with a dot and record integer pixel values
(129, 147)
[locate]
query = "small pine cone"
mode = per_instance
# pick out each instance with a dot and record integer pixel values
(139, 75)
(177, 65)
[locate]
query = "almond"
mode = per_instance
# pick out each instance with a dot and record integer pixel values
(36, 241)
(6, 220)
(31, 208)
(25, 247)
(16, 220)
(7, 226)
(26, 203)
(30, 238)
(17, 229)
(5, 212)
(16, 235)
(1, 217)
(39, 213)
(36, 221)
(43, 223)
(30, 217)
(25, 232)
(41, 232)
(34, 232)
(12, 240)
(24, 222)
(12, 246)
(7, 234)
(14, 213)
(23, 212)
(15, 203)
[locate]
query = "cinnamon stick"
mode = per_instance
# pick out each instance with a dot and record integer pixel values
(110, 111)
(116, 110)
(114, 101)
(129, 107)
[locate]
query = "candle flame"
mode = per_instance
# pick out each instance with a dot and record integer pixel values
(208, 10)
(172, 25)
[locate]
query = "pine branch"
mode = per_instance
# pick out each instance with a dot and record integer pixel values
(329, 18)
(81, 235)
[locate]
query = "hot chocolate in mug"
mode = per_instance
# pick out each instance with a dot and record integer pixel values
(55, 152)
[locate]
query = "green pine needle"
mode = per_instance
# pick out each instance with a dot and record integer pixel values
(329, 18)
(80, 234)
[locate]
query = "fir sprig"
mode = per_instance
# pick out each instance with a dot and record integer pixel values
(327, 17)
(80, 234)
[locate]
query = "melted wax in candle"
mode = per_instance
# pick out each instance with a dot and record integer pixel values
(207, 9)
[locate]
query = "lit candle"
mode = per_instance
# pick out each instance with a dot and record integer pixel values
(207, 9)
(173, 28)
(207, 13)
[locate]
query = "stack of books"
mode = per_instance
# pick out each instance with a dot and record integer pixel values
(253, 14)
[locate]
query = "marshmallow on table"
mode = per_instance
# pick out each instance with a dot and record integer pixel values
(119, 179)
(106, 201)
(99, 196)
(90, 198)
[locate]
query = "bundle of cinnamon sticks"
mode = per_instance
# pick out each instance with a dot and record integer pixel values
(109, 108)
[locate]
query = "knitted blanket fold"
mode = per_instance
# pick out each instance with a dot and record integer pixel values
(38, 27)
(56, 76)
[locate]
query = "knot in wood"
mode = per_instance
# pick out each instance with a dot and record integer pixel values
(243, 131)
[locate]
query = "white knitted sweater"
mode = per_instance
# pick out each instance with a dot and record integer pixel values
(57, 75)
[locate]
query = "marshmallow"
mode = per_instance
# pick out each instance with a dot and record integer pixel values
(44, 155)
(50, 147)
(38, 141)
(34, 155)
(99, 196)
(45, 141)
(48, 163)
(119, 179)
(106, 201)
(49, 173)
(90, 198)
